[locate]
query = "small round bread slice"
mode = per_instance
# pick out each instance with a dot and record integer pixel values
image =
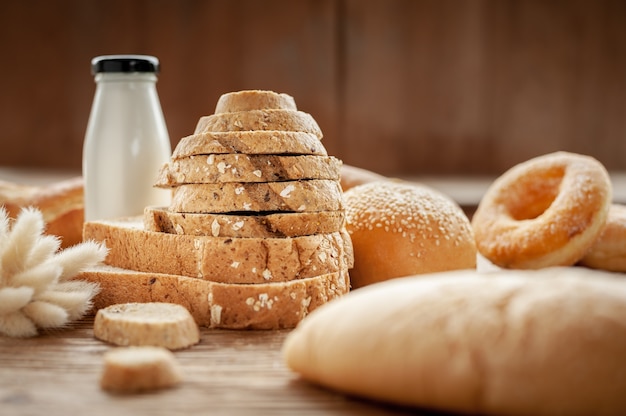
(139, 369)
(152, 323)
(294, 196)
(254, 100)
(543, 342)
(250, 142)
(288, 224)
(246, 168)
(281, 120)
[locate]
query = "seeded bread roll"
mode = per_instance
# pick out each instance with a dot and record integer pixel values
(246, 168)
(157, 324)
(281, 120)
(546, 342)
(294, 196)
(250, 142)
(220, 305)
(254, 100)
(220, 259)
(290, 224)
(139, 369)
(401, 228)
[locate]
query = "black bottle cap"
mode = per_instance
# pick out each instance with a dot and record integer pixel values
(125, 63)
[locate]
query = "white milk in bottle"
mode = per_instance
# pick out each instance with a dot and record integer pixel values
(126, 141)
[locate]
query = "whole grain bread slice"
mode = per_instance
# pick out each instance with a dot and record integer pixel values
(220, 305)
(246, 168)
(294, 196)
(281, 120)
(250, 142)
(220, 259)
(254, 100)
(289, 224)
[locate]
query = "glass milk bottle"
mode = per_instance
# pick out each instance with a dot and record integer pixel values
(126, 141)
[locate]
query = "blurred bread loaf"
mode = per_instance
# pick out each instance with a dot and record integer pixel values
(61, 204)
(546, 342)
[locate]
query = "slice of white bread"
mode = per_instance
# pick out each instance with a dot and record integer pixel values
(294, 196)
(268, 120)
(256, 225)
(219, 168)
(220, 259)
(219, 305)
(254, 100)
(157, 324)
(139, 369)
(545, 342)
(250, 142)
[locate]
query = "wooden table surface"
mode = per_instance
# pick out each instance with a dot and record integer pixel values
(228, 372)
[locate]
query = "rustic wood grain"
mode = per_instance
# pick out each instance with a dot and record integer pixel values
(228, 372)
(401, 87)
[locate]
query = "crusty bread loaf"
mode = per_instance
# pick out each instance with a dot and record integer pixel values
(61, 205)
(289, 224)
(139, 369)
(220, 259)
(254, 100)
(294, 196)
(403, 228)
(268, 120)
(352, 176)
(222, 168)
(541, 342)
(220, 305)
(158, 324)
(250, 142)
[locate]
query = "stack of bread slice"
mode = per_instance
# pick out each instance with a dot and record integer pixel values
(254, 236)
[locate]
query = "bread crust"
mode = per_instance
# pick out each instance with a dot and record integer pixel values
(222, 168)
(60, 203)
(254, 100)
(292, 224)
(294, 196)
(219, 259)
(250, 142)
(510, 342)
(219, 305)
(268, 120)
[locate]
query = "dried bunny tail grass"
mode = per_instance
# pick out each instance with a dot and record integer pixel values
(17, 325)
(46, 315)
(12, 299)
(19, 242)
(76, 297)
(36, 290)
(74, 259)
(39, 277)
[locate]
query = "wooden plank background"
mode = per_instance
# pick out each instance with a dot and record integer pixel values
(403, 87)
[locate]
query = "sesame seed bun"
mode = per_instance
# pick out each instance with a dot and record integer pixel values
(400, 229)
